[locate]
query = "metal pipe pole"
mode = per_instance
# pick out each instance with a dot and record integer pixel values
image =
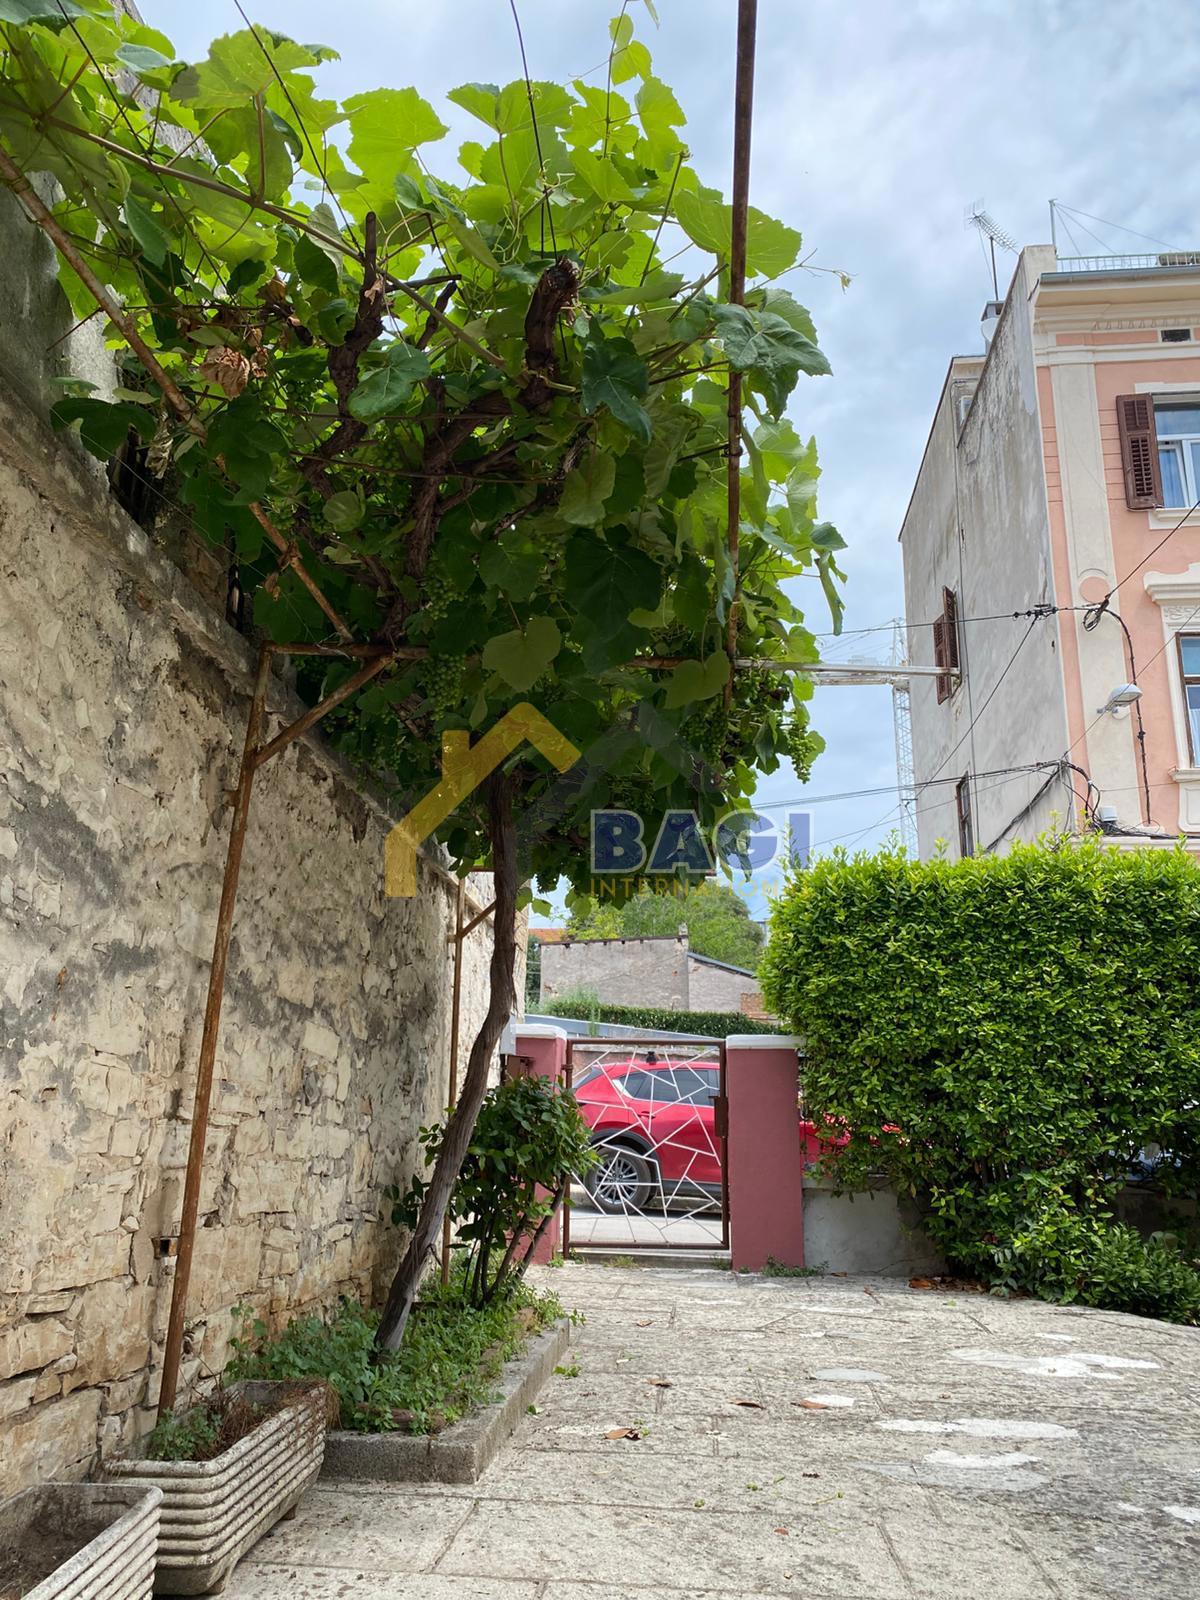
(208, 1041)
(455, 1005)
(743, 111)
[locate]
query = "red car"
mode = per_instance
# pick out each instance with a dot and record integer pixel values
(654, 1125)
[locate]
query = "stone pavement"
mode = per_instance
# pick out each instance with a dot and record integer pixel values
(889, 1444)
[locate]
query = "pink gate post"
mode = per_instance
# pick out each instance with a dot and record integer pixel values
(534, 1049)
(765, 1151)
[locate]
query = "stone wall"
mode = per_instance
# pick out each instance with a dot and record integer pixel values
(122, 712)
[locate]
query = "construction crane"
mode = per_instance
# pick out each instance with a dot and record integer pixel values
(897, 674)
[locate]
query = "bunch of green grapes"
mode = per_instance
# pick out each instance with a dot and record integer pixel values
(441, 681)
(391, 450)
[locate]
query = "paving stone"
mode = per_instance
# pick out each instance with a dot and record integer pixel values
(617, 1545)
(340, 1528)
(946, 1477)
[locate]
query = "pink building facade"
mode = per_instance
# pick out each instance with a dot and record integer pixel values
(1052, 555)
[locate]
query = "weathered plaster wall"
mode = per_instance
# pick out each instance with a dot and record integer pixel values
(716, 989)
(122, 713)
(623, 972)
(978, 523)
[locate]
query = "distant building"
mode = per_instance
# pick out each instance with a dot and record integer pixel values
(1055, 466)
(661, 972)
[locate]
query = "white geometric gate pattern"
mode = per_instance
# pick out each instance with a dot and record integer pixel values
(657, 1111)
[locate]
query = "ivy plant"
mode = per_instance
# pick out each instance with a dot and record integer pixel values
(472, 411)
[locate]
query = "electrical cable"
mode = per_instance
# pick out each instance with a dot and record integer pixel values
(991, 695)
(1119, 226)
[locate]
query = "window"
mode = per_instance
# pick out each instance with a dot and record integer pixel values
(1189, 673)
(945, 644)
(637, 1085)
(1178, 430)
(962, 802)
(1175, 335)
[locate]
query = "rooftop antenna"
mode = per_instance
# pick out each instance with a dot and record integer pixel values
(995, 235)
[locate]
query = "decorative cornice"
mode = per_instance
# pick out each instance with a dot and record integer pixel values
(1178, 593)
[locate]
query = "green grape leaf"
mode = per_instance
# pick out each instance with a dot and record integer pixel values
(522, 656)
(660, 115)
(241, 66)
(482, 100)
(387, 388)
(344, 511)
(103, 428)
(784, 305)
(606, 580)
(761, 339)
(824, 536)
(771, 246)
(512, 565)
(696, 680)
(314, 265)
(601, 176)
(631, 61)
(58, 11)
(781, 448)
(141, 58)
(614, 375)
(692, 599)
(145, 230)
(384, 125)
(587, 489)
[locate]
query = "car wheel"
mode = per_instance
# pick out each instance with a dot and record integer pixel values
(621, 1182)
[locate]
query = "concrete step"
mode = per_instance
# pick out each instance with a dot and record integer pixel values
(642, 1256)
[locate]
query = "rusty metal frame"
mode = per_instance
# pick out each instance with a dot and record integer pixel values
(720, 1132)
(255, 754)
(743, 116)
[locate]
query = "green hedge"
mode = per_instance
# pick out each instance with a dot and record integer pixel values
(712, 1024)
(1027, 1025)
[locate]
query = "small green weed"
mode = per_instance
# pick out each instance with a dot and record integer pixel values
(447, 1365)
(776, 1269)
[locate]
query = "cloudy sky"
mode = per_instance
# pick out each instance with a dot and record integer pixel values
(877, 124)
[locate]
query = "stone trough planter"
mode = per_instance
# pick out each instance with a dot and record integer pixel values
(213, 1511)
(466, 1448)
(79, 1541)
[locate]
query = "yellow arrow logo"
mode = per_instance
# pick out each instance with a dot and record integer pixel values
(464, 767)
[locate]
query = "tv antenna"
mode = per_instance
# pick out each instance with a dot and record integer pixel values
(990, 230)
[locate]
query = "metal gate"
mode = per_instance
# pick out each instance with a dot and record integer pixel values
(658, 1116)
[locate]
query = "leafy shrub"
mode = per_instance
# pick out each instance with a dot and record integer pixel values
(446, 1366)
(710, 1024)
(205, 1429)
(183, 1436)
(528, 1140)
(1003, 1037)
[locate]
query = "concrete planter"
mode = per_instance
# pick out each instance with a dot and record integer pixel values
(98, 1539)
(464, 1450)
(213, 1511)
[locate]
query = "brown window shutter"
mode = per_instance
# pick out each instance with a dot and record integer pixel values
(939, 657)
(950, 624)
(1139, 451)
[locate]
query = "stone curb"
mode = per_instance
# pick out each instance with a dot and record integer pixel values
(463, 1451)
